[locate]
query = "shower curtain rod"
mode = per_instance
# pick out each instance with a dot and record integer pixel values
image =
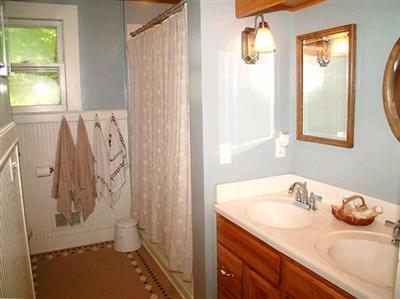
(160, 18)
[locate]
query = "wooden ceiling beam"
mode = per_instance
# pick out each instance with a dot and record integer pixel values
(246, 8)
(159, 1)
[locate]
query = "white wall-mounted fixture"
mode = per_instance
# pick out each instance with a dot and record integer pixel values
(284, 138)
(324, 52)
(43, 171)
(281, 143)
(256, 40)
(225, 153)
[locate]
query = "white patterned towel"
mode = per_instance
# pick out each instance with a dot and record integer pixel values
(118, 163)
(101, 162)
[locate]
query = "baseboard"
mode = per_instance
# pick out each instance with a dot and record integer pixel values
(159, 260)
(71, 240)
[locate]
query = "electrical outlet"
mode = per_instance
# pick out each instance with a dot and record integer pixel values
(280, 151)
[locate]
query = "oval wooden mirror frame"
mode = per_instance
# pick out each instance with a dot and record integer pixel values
(391, 89)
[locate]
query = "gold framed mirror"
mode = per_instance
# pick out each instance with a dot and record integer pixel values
(391, 89)
(325, 86)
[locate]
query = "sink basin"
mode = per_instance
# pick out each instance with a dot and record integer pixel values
(279, 215)
(368, 256)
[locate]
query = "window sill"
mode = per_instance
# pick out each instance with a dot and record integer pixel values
(38, 109)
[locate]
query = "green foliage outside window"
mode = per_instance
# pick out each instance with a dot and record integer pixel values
(31, 51)
(33, 45)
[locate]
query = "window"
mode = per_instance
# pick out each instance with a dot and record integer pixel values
(43, 50)
(37, 64)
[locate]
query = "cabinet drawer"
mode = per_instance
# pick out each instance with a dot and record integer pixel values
(300, 283)
(258, 255)
(229, 273)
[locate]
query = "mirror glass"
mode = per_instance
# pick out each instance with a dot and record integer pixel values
(391, 89)
(325, 99)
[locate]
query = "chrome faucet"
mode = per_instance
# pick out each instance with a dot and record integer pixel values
(301, 196)
(301, 193)
(396, 231)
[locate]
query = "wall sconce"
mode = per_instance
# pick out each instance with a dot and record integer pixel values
(255, 40)
(324, 52)
(327, 47)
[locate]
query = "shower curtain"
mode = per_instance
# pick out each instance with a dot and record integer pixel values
(159, 137)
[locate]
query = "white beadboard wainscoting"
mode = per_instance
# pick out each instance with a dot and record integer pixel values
(15, 267)
(38, 136)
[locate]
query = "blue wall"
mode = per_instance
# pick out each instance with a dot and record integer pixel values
(137, 12)
(218, 104)
(373, 165)
(102, 50)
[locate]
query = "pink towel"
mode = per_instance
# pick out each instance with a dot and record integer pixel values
(63, 179)
(84, 179)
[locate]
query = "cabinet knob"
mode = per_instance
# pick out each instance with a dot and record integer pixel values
(224, 273)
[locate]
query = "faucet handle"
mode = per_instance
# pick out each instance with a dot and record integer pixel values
(313, 199)
(316, 197)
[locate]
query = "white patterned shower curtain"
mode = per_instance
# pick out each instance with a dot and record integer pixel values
(159, 138)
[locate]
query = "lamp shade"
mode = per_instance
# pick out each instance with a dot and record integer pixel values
(264, 41)
(340, 46)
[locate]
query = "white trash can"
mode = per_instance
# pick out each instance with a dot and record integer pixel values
(126, 236)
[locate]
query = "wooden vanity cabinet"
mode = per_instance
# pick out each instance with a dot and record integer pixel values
(255, 286)
(230, 269)
(248, 268)
(298, 282)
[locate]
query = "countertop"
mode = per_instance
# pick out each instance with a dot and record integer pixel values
(299, 243)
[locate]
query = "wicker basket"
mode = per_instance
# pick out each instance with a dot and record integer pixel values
(351, 215)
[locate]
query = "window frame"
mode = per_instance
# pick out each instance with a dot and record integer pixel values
(68, 16)
(59, 66)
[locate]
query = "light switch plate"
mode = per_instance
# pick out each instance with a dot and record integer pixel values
(225, 153)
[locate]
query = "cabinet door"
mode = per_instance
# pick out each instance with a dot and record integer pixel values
(224, 294)
(229, 274)
(300, 283)
(256, 287)
(251, 250)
